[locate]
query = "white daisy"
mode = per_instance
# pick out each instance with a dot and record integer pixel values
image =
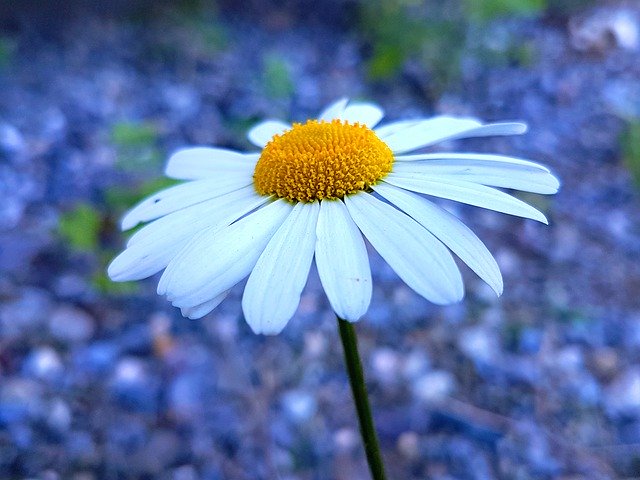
(315, 189)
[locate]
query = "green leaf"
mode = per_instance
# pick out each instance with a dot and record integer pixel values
(133, 134)
(484, 10)
(630, 144)
(80, 227)
(277, 77)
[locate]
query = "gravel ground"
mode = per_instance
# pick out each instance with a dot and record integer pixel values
(95, 384)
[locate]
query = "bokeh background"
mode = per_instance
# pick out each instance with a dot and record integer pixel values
(106, 381)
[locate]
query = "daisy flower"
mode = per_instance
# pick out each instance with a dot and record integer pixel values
(315, 189)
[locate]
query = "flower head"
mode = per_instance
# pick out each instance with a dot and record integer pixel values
(314, 190)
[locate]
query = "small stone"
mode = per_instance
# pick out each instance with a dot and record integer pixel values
(59, 416)
(415, 364)
(185, 472)
(605, 362)
(603, 29)
(299, 405)
(11, 140)
(385, 365)
(479, 344)
(26, 313)
(133, 387)
(43, 363)
(315, 344)
(408, 445)
(434, 386)
(345, 439)
(622, 396)
(71, 325)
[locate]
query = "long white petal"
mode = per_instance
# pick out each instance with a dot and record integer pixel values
(217, 259)
(342, 261)
(181, 196)
(469, 158)
(273, 290)
(199, 311)
(417, 256)
(517, 177)
(263, 132)
(394, 127)
(364, 113)
(443, 128)
(334, 110)
(197, 217)
(202, 162)
(469, 193)
(164, 238)
(449, 230)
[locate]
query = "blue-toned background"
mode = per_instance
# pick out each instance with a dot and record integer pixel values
(106, 381)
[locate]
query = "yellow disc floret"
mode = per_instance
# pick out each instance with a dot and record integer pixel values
(318, 160)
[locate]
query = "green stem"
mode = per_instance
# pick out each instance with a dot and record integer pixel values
(359, 389)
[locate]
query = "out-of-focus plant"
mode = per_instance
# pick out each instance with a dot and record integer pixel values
(399, 30)
(87, 229)
(276, 76)
(7, 50)
(80, 227)
(136, 145)
(438, 34)
(490, 9)
(630, 144)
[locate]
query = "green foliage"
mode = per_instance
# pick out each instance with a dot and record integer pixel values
(484, 10)
(133, 134)
(276, 76)
(80, 227)
(7, 51)
(630, 144)
(136, 145)
(398, 30)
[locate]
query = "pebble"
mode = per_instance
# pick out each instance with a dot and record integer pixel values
(622, 396)
(434, 386)
(71, 325)
(26, 313)
(299, 405)
(59, 416)
(479, 344)
(11, 140)
(43, 363)
(133, 387)
(385, 365)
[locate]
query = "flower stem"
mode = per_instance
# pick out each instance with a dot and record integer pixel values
(361, 398)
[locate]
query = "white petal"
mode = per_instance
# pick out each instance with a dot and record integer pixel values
(449, 230)
(276, 282)
(438, 129)
(469, 193)
(364, 113)
(470, 158)
(492, 174)
(181, 196)
(417, 257)
(394, 127)
(262, 133)
(342, 261)
(334, 110)
(217, 259)
(201, 310)
(197, 217)
(202, 162)
(161, 241)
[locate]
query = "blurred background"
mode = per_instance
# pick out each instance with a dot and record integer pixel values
(106, 381)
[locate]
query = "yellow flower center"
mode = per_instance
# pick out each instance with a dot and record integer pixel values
(319, 159)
